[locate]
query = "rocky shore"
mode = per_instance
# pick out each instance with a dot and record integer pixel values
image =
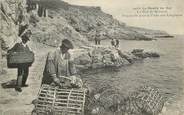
(101, 57)
(78, 24)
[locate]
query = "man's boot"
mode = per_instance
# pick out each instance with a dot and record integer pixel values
(19, 84)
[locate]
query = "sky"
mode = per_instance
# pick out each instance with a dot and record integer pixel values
(125, 11)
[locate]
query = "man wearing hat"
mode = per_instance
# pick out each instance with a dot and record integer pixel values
(23, 69)
(59, 68)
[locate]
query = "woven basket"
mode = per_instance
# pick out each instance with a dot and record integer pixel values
(57, 101)
(14, 59)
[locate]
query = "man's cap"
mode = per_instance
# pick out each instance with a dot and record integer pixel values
(67, 43)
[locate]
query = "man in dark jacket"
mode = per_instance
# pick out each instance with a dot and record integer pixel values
(113, 42)
(117, 43)
(23, 69)
(60, 69)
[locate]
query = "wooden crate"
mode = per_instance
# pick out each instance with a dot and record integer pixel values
(57, 101)
(16, 58)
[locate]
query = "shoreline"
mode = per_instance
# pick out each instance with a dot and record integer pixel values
(34, 81)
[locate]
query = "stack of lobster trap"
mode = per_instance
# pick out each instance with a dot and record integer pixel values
(145, 101)
(56, 101)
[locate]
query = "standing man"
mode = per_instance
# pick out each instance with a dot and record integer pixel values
(99, 40)
(96, 40)
(117, 43)
(23, 69)
(113, 42)
(59, 68)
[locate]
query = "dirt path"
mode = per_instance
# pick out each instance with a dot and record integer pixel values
(12, 101)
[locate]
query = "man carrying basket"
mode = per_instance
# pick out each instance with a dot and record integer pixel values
(23, 67)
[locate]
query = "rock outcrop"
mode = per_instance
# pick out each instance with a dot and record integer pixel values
(101, 57)
(151, 33)
(8, 31)
(52, 31)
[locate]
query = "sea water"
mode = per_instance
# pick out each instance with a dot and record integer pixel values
(165, 73)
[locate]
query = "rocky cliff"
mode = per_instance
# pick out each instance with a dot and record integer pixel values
(52, 31)
(78, 23)
(49, 31)
(92, 22)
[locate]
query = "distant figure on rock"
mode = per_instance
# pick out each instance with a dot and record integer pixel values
(30, 5)
(117, 43)
(113, 42)
(42, 11)
(97, 39)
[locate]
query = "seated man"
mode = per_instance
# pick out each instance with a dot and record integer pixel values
(59, 68)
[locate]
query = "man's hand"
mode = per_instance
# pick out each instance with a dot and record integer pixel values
(73, 79)
(76, 81)
(56, 81)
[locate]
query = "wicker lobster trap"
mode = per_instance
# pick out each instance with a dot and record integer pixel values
(56, 101)
(145, 101)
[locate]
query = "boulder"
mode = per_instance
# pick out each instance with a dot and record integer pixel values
(83, 59)
(83, 62)
(140, 55)
(97, 65)
(106, 56)
(107, 60)
(137, 50)
(152, 54)
(144, 54)
(100, 56)
(128, 56)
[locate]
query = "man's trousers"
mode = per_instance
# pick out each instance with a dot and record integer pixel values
(22, 76)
